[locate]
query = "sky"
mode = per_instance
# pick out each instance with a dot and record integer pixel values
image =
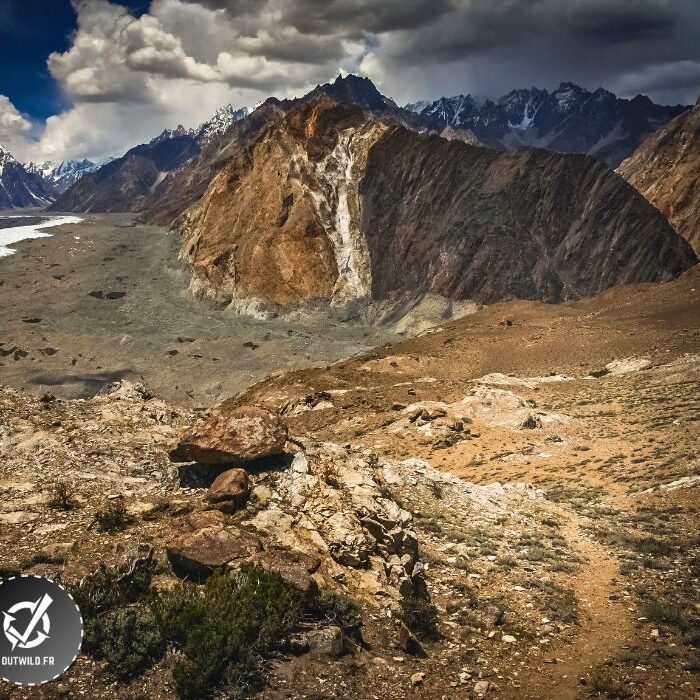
(91, 78)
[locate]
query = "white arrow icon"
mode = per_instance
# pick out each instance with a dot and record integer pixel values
(38, 609)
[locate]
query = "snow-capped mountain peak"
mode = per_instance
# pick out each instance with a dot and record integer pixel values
(220, 121)
(62, 175)
(568, 119)
(168, 134)
(21, 186)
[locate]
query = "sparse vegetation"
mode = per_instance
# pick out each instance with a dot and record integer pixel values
(113, 517)
(225, 628)
(603, 685)
(339, 610)
(62, 497)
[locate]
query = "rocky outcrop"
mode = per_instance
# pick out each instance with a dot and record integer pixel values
(666, 170)
(232, 436)
(197, 554)
(328, 206)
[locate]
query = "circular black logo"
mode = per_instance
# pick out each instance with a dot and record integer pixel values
(42, 630)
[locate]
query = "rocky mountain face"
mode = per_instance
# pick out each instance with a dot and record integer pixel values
(328, 205)
(185, 185)
(570, 119)
(666, 170)
(21, 186)
(122, 183)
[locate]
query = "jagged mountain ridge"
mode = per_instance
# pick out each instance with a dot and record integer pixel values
(21, 186)
(666, 170)
(570, 119)
(329, 205)
(122, 183)
(125, 183)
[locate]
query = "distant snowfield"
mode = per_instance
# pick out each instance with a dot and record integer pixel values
(15, 234)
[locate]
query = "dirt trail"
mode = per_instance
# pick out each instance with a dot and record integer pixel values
(605, 626)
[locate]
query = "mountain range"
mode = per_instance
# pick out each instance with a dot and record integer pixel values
(64, 174)
(124, 183)
(570, 119)
(343, 198)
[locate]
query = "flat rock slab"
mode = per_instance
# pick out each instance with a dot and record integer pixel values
(232, 436)
(197, 554)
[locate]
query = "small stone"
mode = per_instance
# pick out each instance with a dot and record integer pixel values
(417, 679)
(407, 641)
(481, 688)
(57, 552)
(508, 638)
(327, 641)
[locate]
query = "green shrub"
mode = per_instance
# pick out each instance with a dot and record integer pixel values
(226, 627)
(129, 640)
(341, 611)
(222, 631)
(420, 616)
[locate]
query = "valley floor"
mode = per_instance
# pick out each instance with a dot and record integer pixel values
(107, 299)
(582, 581)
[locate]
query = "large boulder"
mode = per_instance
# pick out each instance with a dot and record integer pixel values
(232, 436)
(230, 490)
(197, 554)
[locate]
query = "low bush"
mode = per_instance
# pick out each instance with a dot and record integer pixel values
(222, 632)
(225, 628)
(420, 616)
(61, 497)
(114, 517)
(341, 611)
(129, 640)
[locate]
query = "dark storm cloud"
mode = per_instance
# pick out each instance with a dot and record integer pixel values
(355, 18)
(609, 23)
(491, 46)
(293, 47)
(346, 18)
